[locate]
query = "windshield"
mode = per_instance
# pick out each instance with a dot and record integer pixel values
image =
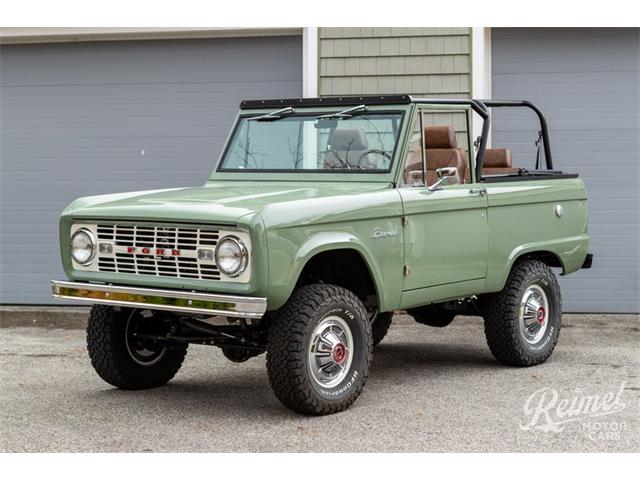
(354, 143)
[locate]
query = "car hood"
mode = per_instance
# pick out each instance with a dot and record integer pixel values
(220, 202)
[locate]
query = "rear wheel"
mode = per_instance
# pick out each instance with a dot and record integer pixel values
(319, 350)
(522, 322)
(122, 356)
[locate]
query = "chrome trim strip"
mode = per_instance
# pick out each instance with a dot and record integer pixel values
(159, 299)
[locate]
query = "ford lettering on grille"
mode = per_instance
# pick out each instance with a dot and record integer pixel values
(157, 250)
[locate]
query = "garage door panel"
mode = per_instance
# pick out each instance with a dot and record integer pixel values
(70, 156)
(176, 95)
(101, 141)
(147, 61)
(590, 84)
(110, 107)
(586, 82)
(607, 111)
(598, 99)
(91, 118)
(140, 133)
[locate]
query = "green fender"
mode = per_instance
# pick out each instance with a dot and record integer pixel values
(570, 252)
(283, 280)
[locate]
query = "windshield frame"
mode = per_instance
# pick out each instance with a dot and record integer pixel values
(386, 175)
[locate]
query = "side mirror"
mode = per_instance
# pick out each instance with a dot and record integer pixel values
(447, 172)
(446, 176)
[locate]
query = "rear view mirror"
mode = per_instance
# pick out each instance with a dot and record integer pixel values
(326, 123)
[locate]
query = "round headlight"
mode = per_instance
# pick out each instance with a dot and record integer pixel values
(83, 246)
(231, 256)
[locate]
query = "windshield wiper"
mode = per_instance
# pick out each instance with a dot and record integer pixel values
(344, 113)
(275, 115)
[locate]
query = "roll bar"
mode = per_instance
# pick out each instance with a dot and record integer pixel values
(544, 131)
(481, 107)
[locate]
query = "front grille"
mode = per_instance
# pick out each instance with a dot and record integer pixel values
(165, 251)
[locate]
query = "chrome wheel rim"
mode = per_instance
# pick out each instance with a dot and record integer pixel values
(138, 350)
(330, 351)
(534, 314)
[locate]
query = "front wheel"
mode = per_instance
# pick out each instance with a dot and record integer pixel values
(522, 322)
(319, 350)
(122, 354)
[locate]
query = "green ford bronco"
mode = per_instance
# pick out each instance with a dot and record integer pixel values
(322, 217)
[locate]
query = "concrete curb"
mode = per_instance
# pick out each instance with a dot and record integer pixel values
(43, 316)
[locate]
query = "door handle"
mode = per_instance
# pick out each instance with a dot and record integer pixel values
(477, 191)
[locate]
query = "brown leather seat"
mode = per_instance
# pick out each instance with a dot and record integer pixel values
(497, 161)
(442, 151)
(347, 145)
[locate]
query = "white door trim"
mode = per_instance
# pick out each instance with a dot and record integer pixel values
(310, 62)
(480, 70)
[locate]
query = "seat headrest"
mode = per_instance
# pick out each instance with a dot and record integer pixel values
(348, 139)
(440, 137)
(497, 158)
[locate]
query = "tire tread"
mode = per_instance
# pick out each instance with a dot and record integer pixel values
(105, 349)
(500, 311)
(286, 349)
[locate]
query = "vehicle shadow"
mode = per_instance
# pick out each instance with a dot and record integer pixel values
(246, 391)
(423, 354)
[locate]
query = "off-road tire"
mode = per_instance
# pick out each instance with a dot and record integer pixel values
(111, 359)
(501, 316)
(432, 315)
(380, 326)
(289, 338)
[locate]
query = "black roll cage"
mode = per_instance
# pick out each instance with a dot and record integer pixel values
(481, 107)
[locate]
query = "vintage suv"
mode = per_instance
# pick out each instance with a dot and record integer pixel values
(324, 216)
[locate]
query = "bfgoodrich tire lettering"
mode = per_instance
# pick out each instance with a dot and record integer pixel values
(116, 361)
(292, 334)
(504, 315)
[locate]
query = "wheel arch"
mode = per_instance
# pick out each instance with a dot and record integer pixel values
(546, 256)
(327, 250)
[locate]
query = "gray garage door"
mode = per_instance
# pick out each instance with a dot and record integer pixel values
(587, 83)
(89, 118)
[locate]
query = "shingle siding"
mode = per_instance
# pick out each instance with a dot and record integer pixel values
(421, 61)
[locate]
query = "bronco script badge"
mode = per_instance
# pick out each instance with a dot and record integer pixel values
(380, 233)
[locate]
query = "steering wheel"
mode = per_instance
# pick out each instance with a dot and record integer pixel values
(341, 162)
(376, 151)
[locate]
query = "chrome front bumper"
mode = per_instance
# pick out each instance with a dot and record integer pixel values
(159, 299)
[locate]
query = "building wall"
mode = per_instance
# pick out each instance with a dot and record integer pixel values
(434, 62)
(89, 118)
(586, 83)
